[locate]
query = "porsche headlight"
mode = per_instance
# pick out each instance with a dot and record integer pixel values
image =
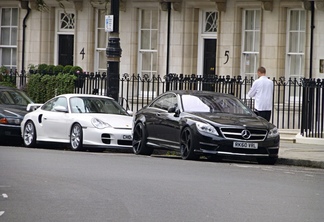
(206, 128)
(99, 124)
(273, 132)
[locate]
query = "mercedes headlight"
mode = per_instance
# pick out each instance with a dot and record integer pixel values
(99, 124)
(273, 132)
(206, 128)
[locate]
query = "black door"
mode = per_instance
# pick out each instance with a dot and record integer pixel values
(209, 56)
(209, 62)
(66, 46)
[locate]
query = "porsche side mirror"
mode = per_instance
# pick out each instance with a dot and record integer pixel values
(60, 109)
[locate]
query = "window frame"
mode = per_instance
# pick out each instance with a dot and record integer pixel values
(255, 52)
(12, 47)
(153, 66)
(298, 54)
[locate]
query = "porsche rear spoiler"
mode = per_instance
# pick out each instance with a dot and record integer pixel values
(33, 106)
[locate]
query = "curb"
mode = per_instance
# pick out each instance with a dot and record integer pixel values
(304, 163)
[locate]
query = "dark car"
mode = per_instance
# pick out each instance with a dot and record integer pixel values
(13, 103)
(200, 123)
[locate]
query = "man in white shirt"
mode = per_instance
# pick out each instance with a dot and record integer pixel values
(262, 91)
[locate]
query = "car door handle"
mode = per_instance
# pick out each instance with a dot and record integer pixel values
(158, 114)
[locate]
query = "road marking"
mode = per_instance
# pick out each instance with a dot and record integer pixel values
(4, 195)
(309, 175)
(1, 213)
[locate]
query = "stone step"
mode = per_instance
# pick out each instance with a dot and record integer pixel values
(289, 134)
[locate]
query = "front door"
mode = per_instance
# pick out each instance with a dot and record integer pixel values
(209, 57)
(209, 62)
(66, 48)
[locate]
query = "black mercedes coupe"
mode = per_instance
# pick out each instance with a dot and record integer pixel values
(201, 123)
(13, 104)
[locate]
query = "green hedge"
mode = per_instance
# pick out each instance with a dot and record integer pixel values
(46, 81)
(6, 79)
(41, 88)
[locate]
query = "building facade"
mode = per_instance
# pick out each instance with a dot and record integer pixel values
(204, 37)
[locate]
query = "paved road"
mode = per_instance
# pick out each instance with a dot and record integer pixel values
(56, 185)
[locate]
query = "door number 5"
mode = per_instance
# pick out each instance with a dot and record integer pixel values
(227, 56)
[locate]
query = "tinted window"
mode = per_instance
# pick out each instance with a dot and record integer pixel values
(14, 97)
(165, 102)
(213, 104)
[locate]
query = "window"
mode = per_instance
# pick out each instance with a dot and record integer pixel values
(251, 42)
(210, 22)
(295, 43)
(67, 21)
(148, 45)
(8, 37)
(101, 42)
(50, 105)
(166, 102)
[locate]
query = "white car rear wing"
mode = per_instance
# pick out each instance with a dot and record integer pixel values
(33, 106)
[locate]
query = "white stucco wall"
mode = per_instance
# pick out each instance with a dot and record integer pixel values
(184, 43)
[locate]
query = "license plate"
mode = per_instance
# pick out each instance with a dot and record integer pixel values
(245, 145)
(127, 137)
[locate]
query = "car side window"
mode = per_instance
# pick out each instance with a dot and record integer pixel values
(49, 106)
(12, 97)
(61, 101)
(165, 102)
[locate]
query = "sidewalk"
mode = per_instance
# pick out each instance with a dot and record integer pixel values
(300, 154)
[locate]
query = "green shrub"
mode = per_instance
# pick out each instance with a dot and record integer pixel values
(32, 69)
(58, 69)
(67, 69)
(42, 68)
(49, 83)
(75, 69)
(35, 89)
(50, 69)
(8, 84)
(5, 78)
(41, 88)
(65, 83)
(3, 70)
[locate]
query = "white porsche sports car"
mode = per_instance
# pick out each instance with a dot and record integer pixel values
(83, 121)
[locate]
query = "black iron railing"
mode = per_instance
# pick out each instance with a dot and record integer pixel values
(297, 103)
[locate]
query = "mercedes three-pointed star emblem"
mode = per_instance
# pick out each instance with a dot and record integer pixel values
(246, 134)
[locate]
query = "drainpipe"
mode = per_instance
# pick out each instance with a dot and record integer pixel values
(311, 41)
(168, 38)
(24, 37)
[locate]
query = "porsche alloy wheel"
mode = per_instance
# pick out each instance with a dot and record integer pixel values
(187, 144)
(139, 140)
(29, 135)
(76, 137)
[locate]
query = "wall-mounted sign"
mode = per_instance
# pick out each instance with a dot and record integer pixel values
(109, 23)
(321, 66)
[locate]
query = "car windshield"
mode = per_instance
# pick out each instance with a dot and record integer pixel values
(214, 104)
(96, 105)
(14, 97)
